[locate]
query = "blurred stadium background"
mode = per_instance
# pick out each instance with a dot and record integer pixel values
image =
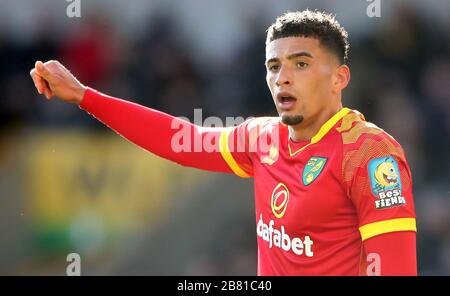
(69, 184)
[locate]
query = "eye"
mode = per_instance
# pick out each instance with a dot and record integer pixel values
(392, 170)
(273, 68)
(302, 65)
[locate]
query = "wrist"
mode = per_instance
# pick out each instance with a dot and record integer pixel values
(79, 94)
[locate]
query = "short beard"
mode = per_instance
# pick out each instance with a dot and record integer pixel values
(291, 120)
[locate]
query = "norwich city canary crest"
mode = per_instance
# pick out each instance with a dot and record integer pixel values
(313, 169)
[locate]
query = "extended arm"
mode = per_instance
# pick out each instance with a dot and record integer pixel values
(162, 134)
(157, 132)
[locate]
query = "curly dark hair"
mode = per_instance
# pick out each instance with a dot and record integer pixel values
(315, 24)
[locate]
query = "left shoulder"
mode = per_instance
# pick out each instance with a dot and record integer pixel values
(365, 138)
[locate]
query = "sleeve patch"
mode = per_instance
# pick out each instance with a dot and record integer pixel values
(385, 182)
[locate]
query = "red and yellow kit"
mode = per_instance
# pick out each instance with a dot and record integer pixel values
(323, 207)
(317, 201)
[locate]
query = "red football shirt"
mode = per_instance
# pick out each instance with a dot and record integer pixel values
(317, 201)
(321, 205)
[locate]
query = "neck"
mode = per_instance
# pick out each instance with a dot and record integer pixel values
(306, 130)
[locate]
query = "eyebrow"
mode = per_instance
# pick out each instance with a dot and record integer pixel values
(292, 56)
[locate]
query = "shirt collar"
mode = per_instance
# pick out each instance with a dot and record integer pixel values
(324, 129)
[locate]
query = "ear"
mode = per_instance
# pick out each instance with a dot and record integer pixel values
(342, 78)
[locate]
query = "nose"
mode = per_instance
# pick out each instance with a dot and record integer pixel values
(283, 77)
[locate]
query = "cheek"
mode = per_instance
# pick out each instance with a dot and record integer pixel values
(318, 83)
(270, 82)
(314, 88)
(326, 76)
(310, 83)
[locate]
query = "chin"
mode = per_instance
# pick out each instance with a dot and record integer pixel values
(291, 119)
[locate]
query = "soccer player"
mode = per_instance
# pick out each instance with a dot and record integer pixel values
(333, 192)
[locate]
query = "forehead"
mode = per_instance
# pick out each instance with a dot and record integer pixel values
(283, 47)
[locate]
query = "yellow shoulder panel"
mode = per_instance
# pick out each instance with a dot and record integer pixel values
(353, 125)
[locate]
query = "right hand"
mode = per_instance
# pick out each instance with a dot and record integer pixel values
(53, 79)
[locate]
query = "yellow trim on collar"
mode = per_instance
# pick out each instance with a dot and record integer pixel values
(323, 130)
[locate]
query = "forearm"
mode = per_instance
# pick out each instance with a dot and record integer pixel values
(396, 252)
(154, 131)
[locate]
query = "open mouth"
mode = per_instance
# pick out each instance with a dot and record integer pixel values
(389, 179)
(286, 101)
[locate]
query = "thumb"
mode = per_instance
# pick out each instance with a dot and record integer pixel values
(42, 70)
